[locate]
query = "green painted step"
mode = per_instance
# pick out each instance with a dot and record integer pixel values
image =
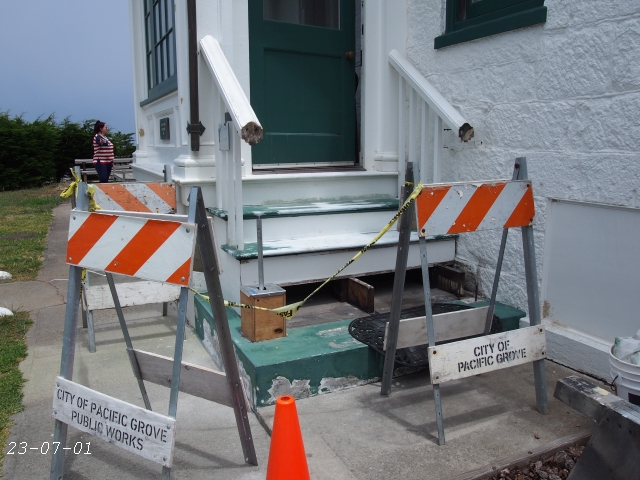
(310, 360)
(322, 243)
(327, 207)
(509, 316)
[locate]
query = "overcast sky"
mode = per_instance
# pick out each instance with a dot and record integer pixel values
(68, 57)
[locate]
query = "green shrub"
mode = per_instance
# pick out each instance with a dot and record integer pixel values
(27, 152)
(34, 153)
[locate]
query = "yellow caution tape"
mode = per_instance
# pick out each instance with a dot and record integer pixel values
(288, 311)
(73, 189)
(93, 206)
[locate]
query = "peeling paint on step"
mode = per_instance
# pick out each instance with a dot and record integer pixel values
(250, 394)
(328, 385)
(282, 386)
(211, 344)
(344, 343)
(333, 332)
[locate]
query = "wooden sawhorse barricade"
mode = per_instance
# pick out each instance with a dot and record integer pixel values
(150, 247)
(158, 198)
(460, 208)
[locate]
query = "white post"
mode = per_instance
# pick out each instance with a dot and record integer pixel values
(412, 125)
(437, 147)
(424, 142)
(218, 119)
(237, 200)
(401, 145)
(230, 186)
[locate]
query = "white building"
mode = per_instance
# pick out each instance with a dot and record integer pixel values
(556, 81)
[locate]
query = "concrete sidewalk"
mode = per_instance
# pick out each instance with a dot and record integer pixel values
(352, 434)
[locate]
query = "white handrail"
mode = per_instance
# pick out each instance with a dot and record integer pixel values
(237, 103)
(434, 111)
(431, 96)
(230, 99)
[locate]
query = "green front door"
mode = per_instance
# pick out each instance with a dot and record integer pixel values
(303, 80)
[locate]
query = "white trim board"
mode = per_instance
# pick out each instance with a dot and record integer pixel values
(575, 349)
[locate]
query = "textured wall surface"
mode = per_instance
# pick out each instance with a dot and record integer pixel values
(564, 94)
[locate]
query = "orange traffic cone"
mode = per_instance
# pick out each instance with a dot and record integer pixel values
(287, 460)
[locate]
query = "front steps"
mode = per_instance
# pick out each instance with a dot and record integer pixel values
(309, 241)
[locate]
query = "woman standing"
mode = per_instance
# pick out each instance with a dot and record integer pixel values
(102, 151)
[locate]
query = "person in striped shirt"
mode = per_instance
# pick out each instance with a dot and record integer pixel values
(102, 151)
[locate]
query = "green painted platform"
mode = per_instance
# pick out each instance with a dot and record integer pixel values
(328, 207)
(310, 360)
(509, 316)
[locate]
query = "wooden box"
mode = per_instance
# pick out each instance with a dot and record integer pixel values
(259, 325)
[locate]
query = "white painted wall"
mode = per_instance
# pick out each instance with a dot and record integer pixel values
(565, 94)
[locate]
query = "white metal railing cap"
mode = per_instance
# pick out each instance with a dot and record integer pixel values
(429, 94)
(244, 118)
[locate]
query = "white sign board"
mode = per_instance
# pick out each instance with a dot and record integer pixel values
(486, 354)
(145, 433)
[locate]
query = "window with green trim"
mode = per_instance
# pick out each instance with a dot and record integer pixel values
(160, 48)
(470, 19)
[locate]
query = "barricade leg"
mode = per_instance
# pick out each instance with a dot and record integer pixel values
(89, 315)
(496, 278)
(125, 333)
(66, 366)
(533, 297)
(212, 279)
(398, 288)
(177, 357)
(182, 316)
(431, 333)
(83, 308)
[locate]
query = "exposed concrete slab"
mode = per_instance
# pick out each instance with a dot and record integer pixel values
(487, 418)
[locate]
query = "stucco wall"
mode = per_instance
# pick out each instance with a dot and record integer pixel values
(564, 94)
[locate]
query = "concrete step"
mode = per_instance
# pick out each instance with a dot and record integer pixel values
(322, 243)
(292, 261)
(261, 189)
(313, 218)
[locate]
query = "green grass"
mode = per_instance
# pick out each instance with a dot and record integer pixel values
(12, 350)
(24, 220)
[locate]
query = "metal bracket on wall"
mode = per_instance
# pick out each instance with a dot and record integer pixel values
(197, 128)
(224, 134)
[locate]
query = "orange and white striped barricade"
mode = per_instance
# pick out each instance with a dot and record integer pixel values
(157, 198)
(153, 248)
(458, 208)
(136, 197)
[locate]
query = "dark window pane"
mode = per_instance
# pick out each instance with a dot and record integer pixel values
(318, 13)
(170, 10)
(156, 28)
(172, 54)
(160, 41)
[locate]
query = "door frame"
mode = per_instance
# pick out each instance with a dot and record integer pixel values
(348, 110)
(228, 22)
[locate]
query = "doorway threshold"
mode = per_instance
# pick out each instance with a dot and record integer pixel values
(318, 169)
